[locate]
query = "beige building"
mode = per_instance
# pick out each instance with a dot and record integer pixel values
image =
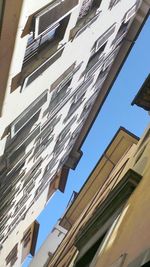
(88, 198)
(58, 61)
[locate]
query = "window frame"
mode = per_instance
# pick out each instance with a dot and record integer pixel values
(13, 132)
(41, 13)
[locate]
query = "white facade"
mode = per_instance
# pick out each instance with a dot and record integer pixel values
(48, 90)
(49, 246)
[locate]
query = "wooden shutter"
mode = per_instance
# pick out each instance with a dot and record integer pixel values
(12, 256)
(52, 14)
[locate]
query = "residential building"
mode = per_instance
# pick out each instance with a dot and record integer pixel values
(58, 62)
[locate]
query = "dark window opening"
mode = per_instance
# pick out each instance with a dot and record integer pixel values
(86, 260)
(146, 264)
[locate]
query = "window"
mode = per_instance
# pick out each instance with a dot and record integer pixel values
(131, 12)
(12, 256)
(60, 90)
(28, 114)
(21, 202)
(83, 25)
(100, 79)
(42, 67)
(23, 138)
(78, 97)
(73, 138)
(28, 179)
(86, 260)
(34, 172)
(34, 45)
(110, 58)
(63, 79)
(43, 143)
(7, 200)
(15, 156)
(77, 101)
(96, 53)
(59, 94)
(104, 38)
(29, 187)
(48, 169)
(121, 33)
(77, 131)
(87, 107)
(87, 5)
(93, 64)
(49, 24)
(51, 14)
(50, 124)
(64, 136)
(113, 3)
(40, 189)
(105, 217)
(88, 15)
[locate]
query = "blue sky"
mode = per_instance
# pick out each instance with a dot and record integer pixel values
(116, 111)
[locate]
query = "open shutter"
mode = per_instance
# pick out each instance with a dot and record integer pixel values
(50, 15)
